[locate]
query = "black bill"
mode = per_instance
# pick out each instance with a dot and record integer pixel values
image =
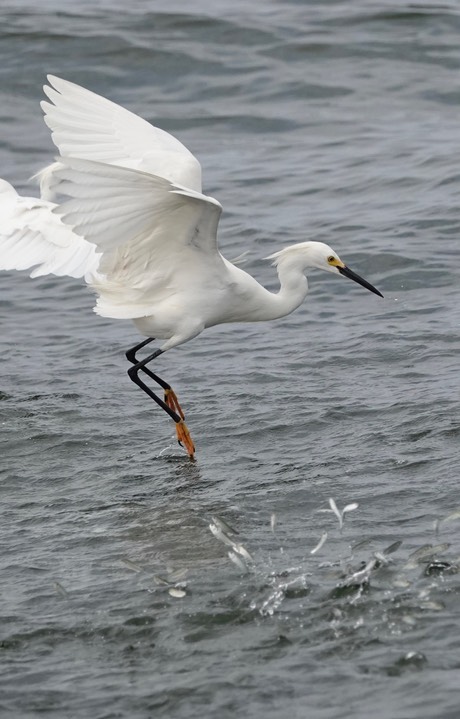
(353, 276)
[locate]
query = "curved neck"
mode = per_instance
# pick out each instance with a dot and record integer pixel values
(292, 292)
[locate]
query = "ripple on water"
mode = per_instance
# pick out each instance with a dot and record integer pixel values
(331, 123)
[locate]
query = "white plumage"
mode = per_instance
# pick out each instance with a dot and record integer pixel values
(90, 127)
(33, 236)
(138, 228)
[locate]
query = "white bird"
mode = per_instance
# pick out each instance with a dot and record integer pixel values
(139, 230)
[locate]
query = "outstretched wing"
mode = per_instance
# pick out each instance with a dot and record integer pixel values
(33, 238)
(156, 237)
(88, 126)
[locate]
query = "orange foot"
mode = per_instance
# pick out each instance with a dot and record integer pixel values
(173, 403)
(183, 435)
(184, 439)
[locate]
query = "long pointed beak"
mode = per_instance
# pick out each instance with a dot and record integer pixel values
(353, 276)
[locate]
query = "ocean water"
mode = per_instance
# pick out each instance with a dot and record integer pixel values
(329, 120)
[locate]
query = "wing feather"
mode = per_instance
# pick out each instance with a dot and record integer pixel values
(33, 238)
(87, 126)
(111, 205)
(155, 236)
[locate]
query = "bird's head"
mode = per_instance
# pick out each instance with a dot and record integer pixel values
(321, 256)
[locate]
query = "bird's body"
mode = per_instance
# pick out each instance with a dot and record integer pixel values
(230, 295)
(138, 228)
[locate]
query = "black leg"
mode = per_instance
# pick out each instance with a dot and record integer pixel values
(131, 354)
(131, 357)
(170, 405)
(133, 373)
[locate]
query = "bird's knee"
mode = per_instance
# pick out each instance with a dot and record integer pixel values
(132, 372)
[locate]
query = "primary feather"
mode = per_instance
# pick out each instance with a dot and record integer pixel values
(87, 126)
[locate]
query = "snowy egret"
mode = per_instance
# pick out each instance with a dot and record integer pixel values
(137, 227)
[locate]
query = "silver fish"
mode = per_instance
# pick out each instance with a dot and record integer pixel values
(339, 514)
(175, 592)
(239, 549)
(131, 565)
(320, 543)
(445, 520)
(224, 526)
(350, 507)
(220, 535)
(239, 561)
(174, 576)
(451, 517)
(362, 575)
(162, 581)
(336, 511)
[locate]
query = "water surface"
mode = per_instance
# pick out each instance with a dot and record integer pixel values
(333, 121)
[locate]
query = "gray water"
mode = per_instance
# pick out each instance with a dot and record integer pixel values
(328, 120)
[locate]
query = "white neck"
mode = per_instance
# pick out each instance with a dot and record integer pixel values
(292, 292)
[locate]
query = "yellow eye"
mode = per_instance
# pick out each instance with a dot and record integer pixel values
(332, 260)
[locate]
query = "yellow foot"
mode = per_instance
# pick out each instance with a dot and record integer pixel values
(184, 439)
(183, 435)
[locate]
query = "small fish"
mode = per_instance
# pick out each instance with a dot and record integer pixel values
(320, 543)
(131, 565)
(445, 520)
(224, 526)
(339, 514)
(273, 522)
(240, 563)
(220, 535)
(177, 593)
(362, 575)
(393, 547)
(451, 517)
(162, 581)
(421, 551)
(174, 576)
(350, 507)
(336, 511)
(239, 549)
